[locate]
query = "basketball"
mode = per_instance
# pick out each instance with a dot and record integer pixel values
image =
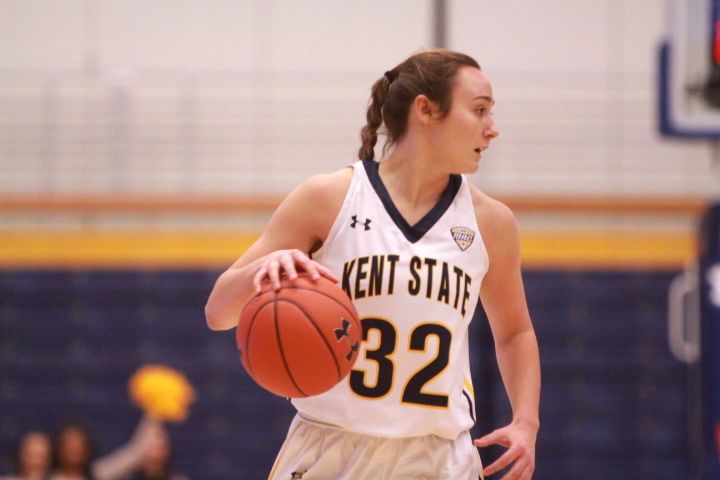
(301, 340)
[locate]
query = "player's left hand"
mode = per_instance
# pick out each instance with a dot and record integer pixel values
(520, 443)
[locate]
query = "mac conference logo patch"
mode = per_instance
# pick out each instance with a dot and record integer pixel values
(463, 236)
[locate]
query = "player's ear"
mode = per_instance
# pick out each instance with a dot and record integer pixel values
(425, 109)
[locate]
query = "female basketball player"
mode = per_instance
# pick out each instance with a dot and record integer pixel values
(432, 244)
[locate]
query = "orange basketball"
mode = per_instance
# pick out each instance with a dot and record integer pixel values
(301, 340)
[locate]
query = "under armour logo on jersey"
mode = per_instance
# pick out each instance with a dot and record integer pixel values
(355, 222)
(463, 236)
(341, 333)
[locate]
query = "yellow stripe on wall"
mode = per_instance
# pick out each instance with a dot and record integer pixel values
(608, 250)
(120, 250)
(217, 250)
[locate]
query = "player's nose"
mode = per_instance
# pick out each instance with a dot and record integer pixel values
(491, 130)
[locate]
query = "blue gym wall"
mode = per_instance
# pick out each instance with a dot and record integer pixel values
(613, 404)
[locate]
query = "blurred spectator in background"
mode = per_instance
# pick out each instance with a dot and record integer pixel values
(74, 453)
(32, 457)
(74, 449)
(157, 464)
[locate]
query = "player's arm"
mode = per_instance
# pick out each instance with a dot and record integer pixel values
(298, 226)
(503, 298)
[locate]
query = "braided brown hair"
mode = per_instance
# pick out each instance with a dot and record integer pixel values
(431, 73)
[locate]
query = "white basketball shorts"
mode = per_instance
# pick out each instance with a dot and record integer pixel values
(315, 451)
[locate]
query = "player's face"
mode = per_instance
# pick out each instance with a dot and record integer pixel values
(468, 128)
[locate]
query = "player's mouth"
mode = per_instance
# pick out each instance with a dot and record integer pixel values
(479, 151)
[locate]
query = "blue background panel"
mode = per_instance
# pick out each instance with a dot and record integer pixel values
(613, 404)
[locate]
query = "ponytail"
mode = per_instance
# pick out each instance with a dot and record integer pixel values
(369, 133)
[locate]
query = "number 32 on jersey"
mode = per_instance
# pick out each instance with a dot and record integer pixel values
(382, 356)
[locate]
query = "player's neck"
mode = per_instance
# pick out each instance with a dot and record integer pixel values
(412, 178)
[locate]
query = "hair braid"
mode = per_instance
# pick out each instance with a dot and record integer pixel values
(369, 133)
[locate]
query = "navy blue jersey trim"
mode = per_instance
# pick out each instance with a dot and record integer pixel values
(412, 232)
(470, 405)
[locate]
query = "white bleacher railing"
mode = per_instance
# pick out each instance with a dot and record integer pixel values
(262, 133)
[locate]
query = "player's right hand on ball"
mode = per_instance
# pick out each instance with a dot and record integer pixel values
(288, 262)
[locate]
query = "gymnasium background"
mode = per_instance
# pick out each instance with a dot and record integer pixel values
(144, 144)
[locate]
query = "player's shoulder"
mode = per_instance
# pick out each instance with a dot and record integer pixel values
(311, 208)
(324, 191)
(328, 185)
(490, 211)
(498, 227)
(320, 196)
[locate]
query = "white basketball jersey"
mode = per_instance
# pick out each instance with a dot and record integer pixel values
(415, 289)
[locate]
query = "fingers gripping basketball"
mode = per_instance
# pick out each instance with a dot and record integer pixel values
(301, 340)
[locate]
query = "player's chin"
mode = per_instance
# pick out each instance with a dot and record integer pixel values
(466, 165)
(473, 166)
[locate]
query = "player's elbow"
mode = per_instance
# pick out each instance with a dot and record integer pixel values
(210, 317)
(215, 318)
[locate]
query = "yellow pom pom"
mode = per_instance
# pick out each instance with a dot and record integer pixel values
(164, 393)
